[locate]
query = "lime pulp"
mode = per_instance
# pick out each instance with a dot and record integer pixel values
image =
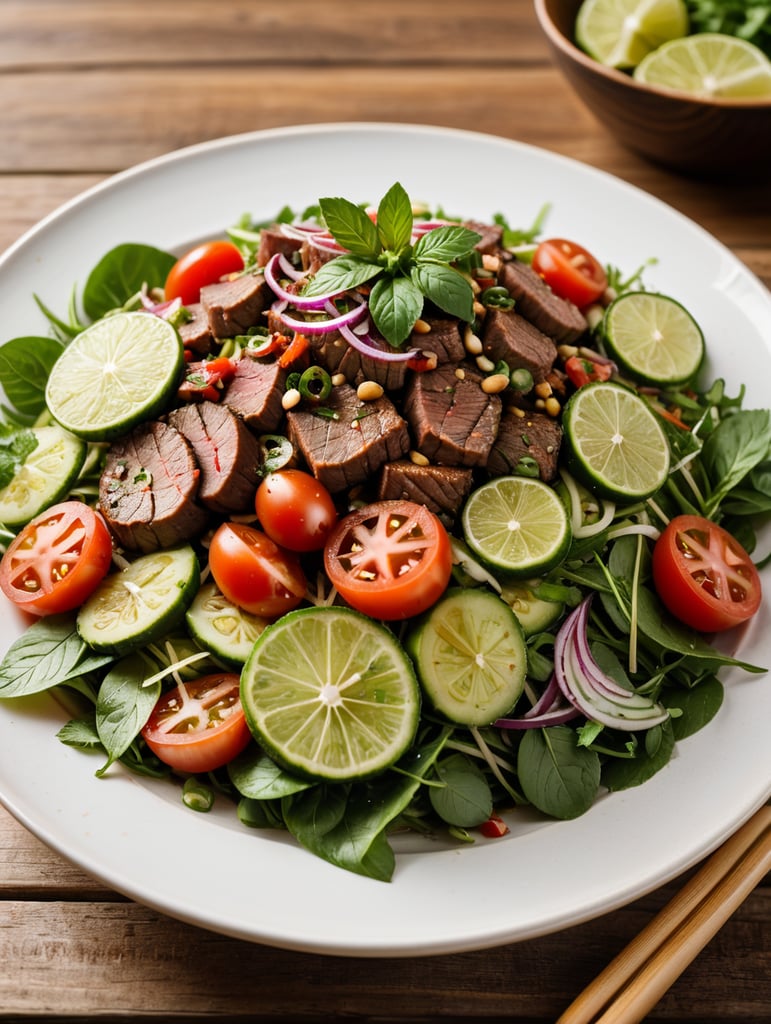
(621, 33)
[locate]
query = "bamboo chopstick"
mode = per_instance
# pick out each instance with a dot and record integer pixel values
(635, 980)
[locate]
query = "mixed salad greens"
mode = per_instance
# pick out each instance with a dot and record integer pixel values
(609, 679)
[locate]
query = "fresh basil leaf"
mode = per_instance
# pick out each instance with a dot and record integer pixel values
(558, 777)
(446, 244)
(351, 226)
(25, 364)
(14, 449)
(121, 273)
(394, 219)
(446, 288)
(464, 798)
(342, 274)
(48, 653)
(395, 304)
(738, 444)
(123, 706)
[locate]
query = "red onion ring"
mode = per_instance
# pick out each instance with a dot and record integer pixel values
(351, 316)
(316, 302)
(368, 346)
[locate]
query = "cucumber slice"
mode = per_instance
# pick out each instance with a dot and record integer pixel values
(221, 627)
(534, 614)
(136, 606)
(46, 477)
(470, 656)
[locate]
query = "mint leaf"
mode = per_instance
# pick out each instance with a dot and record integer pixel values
(446, 244)
(394, 219)
(395, 304)
(446, 288)
(351, 226)
(341, 274)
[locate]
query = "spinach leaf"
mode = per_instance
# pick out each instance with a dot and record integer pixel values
(257, 777)
(738, 444)
(557, 775)
(80, 733)
(123, 706)
(48, 653)
(25, 364)
(618, 773)
(464, 798)
(697, 706)
(121, 273)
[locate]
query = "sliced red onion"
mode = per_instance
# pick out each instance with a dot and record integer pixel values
(599, 697)
(161, 309)
(333, 323)
(556, 716)
(370, 347)
(326, 243)
(300, 302)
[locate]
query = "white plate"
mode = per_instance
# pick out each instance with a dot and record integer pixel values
(136, 836)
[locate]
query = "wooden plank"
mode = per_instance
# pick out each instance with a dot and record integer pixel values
(121, 958)
(37, 33)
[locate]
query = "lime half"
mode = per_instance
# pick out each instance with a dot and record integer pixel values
(330, 694)
(517, 524)
(709, 64)
(620, 33)
(653, 337)
(115, 373)
(616, 445)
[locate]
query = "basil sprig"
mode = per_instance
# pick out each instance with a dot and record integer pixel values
(401, 275)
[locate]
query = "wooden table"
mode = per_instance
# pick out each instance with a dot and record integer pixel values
(89, 87)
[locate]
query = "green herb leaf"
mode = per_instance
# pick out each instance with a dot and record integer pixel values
(557, 776)
(351, 226)
(14, 450)
(395, 304)
(738, 444)
(123, 706)
(25, 364)
(394, 219)
(446, 244)
(121, 273)
(464, 798)
(48, 653)
(342, 274)
(446, 288)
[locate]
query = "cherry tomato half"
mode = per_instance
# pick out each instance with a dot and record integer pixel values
(205, 264)
(570, 271)
(390, 560)
(295, 510)
(199, 725)
(253, 572)
(704, 576)
(57, 560)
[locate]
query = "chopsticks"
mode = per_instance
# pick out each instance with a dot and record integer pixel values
(635, 980)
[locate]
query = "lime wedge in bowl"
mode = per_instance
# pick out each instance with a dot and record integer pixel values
(709, 65)
(620, 33)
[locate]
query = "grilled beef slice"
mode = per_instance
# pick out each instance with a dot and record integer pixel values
(492, 235)
(560, 319)
(533, 435)
(227, 453)
(255, 391)
(350, 449)
(453, 422)
(196, 334)
(235, 306)
(273, 240)
(148, 489)
(442, 489)
(444, 339)
(512, 338)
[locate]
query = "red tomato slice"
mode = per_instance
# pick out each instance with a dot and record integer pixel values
(704, 576)
(200, 725)
(253, 572)
(57, 560)
(205, 264)
(570, 271)
(390, 560)
(295, 510)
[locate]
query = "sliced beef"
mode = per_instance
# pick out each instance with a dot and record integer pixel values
(148, 489)
(508, 336)
(274, 239)
(196, 334)
(452, 420)
(442, 489)
(492, 235)
(444, 339)
(334, 353)
(531, 435)
(350, 448)
(227, 453)
(234, 306)
(314, 255)
(557, 317)
(255, 392)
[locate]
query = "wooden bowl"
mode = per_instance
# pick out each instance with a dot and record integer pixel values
(704, 137)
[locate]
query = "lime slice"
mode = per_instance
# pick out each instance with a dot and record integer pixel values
(654, 338)
(330, 694)
(620, 33)
(115, 373)
(221, 627)
(517, 524)
(134, 607)
(46, 476)
(470, 656)
(709, 64)
(615, 443)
